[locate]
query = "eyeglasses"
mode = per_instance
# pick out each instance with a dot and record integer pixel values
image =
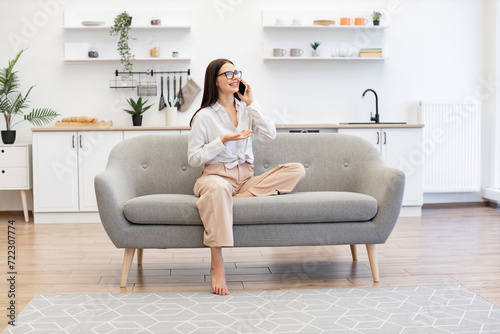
(230, 75)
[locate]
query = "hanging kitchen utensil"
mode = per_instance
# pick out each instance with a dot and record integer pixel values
(162, 103)
(175, 89)
(168, 90)
(180, 96)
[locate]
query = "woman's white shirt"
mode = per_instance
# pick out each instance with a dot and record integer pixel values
(210, 123)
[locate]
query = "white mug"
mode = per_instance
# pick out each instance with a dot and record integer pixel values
(296, 52)
(279, 52)
(280, 20)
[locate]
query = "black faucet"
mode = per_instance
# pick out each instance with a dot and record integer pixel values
(376, 118)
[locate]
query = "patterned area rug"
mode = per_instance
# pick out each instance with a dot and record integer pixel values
(420, 309)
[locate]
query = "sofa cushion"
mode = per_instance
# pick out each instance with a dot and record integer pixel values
(301, 207)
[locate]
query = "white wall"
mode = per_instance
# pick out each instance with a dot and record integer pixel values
(435, 48)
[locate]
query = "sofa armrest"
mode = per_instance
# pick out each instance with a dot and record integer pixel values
(386, 185)
(113, 189)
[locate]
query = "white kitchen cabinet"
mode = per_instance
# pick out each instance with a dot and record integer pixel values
(400, 148)
(15, 171)
(65, 164)
(93, 152)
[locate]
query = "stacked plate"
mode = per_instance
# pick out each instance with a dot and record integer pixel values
(92, 23)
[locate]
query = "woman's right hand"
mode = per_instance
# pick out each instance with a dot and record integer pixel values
(236, 136)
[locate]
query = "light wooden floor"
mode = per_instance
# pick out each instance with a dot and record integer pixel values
(445, 246)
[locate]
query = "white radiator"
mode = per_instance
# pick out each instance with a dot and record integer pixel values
(451, 146)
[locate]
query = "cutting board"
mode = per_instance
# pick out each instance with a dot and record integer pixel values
(85, 124)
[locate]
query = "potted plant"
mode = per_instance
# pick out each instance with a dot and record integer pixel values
(138, 108)
(376, 18)
(121, 28)
(12, 103)
(315, 51)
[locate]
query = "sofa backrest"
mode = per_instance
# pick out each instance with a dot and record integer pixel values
(158, 163)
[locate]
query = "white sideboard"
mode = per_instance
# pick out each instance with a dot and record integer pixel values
(66, 160)
(15, 171)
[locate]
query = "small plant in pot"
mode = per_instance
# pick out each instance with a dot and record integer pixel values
(376, 18)
(138, 108)
(315, 46)
(12, 103)
(121, 28)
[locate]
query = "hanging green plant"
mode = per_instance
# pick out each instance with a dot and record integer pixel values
(121, 28)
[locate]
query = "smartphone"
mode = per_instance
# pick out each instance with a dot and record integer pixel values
(242, 88)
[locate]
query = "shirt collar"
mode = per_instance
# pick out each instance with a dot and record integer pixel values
(216, 106)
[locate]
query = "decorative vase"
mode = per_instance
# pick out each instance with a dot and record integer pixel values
(8, 136)
(376, 22)
(137, 120)
(315, 53)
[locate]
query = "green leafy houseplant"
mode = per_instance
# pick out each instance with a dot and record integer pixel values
(138, 108)
(315, 45)
(13, 102)
(121, 28)
(376, 17)
(315, 51)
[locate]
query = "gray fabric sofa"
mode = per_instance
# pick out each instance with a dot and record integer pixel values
(348, 197)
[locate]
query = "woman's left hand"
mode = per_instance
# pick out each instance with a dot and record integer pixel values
(248, 97)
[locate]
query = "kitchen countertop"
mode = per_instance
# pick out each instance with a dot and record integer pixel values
(278, 126)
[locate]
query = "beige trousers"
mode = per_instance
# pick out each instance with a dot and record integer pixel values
(217, 185)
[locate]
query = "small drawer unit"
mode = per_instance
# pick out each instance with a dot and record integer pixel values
(15, 167)
(15, 171)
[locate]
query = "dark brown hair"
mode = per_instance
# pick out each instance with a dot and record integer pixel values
(210, 91)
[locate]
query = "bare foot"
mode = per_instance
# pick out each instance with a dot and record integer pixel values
(218, 278)
(217, 273)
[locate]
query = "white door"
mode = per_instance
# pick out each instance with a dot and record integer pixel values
(55, 171)
(401, 150)
(94, 148)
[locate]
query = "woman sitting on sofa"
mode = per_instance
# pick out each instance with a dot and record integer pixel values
(221, 140)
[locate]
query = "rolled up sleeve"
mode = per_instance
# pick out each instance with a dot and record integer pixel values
(262, 125)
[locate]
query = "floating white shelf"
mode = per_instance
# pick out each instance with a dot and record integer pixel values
(82, 60)
(321, 27)
(173, 35)
(278, 59)
(151, 27)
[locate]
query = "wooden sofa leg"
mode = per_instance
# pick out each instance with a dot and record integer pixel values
(127, 264)
(139, 257)
(372, 257)
(354, 253)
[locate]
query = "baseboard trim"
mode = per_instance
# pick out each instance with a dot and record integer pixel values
(66, 217)
(455, 205)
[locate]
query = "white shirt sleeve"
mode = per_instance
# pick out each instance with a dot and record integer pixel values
(262, 125)
(200, 153)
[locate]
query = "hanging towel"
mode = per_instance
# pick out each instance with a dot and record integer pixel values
(190, 91)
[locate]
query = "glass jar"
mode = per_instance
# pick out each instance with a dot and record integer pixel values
(93, 53)
(154, 48)
(155, 21)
